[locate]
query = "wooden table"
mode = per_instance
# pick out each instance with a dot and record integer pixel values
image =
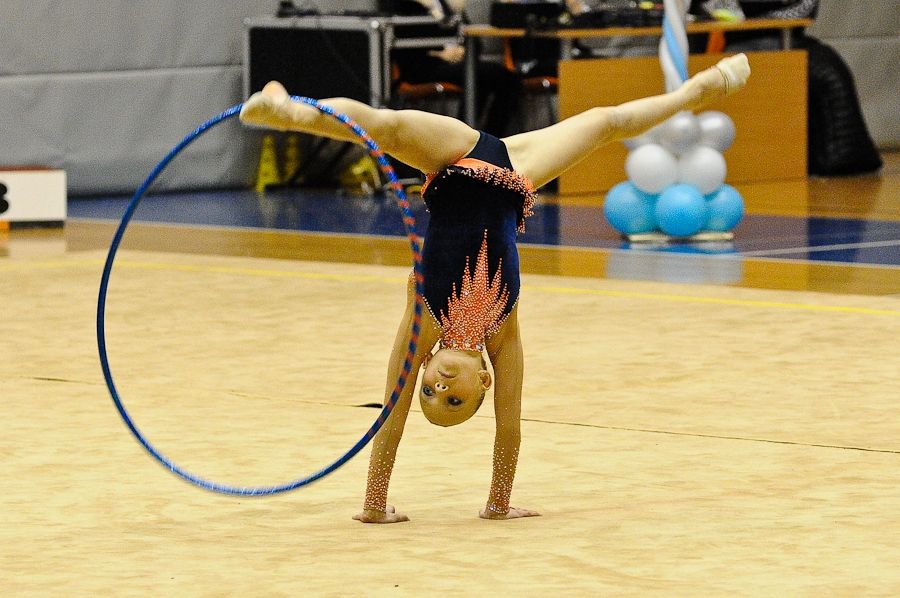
(770, 113)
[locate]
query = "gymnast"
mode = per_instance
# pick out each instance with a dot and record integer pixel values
(479, 190)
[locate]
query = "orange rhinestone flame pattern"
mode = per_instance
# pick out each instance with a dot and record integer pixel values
(476, 310)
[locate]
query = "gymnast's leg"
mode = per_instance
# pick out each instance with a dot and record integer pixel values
(544, 154)
(423, 140)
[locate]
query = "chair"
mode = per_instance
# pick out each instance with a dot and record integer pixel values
(439, 97)
(544, 88)
(433, 96)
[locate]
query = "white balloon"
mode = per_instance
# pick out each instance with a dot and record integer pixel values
(717, 130)
(636, 142)
(680, 133)
(654, 133)
(648, 136)
(704, 168)
(651, 168)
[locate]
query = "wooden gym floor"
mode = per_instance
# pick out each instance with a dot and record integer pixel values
(693, 438)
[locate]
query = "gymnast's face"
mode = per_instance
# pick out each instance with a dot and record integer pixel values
(453, 386)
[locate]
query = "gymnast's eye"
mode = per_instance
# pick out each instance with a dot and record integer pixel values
(426, 390)
(454, 402)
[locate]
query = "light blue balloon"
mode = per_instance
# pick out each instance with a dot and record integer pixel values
(629, 210)
(725, 207)
(681, 210)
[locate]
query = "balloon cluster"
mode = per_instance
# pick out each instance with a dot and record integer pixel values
(676, 170)
(676, 179)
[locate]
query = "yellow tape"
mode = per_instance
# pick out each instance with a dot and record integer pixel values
(395, 280)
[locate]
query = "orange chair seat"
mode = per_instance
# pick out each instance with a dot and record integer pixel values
(422, 91)
(543, 83)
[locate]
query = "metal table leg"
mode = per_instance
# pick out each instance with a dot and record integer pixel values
(469, 83)
(785, 39)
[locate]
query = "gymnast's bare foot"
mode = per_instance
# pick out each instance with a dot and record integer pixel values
(726, 77)
(271, 108)
(375, 516)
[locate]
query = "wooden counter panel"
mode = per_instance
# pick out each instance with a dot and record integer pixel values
(770, 114)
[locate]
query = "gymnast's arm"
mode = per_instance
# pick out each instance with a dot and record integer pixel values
(385, 443)
(505, 352)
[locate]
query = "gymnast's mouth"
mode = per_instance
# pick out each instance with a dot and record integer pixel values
(445, 374)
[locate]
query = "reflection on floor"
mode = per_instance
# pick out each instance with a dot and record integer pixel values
(835, 235)
(849, 240)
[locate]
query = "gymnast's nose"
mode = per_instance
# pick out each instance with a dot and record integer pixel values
(440, 386)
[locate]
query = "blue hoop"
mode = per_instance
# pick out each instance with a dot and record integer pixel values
(409, 224)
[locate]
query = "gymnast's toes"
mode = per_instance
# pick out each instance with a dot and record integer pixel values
(736, 70)
(256, 110)
(267, 108)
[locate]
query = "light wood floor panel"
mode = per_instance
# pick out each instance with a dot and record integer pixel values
(678, 439)
(86, 236)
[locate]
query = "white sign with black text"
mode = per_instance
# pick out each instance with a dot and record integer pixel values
(37, 195)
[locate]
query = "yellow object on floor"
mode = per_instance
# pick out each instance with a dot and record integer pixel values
(362, 174)
(267, 172)
(291, 162)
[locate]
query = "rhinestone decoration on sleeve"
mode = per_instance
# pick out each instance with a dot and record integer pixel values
(377, 484)
(502, 480)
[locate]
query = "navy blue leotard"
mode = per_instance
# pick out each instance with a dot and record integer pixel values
(479, 199)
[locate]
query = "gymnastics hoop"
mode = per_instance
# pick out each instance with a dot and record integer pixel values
(409, 224)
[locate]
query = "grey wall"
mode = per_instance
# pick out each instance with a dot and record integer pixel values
(104, 89)
(866, 33)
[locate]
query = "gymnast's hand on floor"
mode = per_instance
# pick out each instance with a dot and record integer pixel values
(513, 513)
(388, 516)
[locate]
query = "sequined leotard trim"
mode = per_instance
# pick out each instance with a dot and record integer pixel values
(499, 176)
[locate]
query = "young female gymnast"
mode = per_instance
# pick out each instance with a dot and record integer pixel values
(479, 190)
